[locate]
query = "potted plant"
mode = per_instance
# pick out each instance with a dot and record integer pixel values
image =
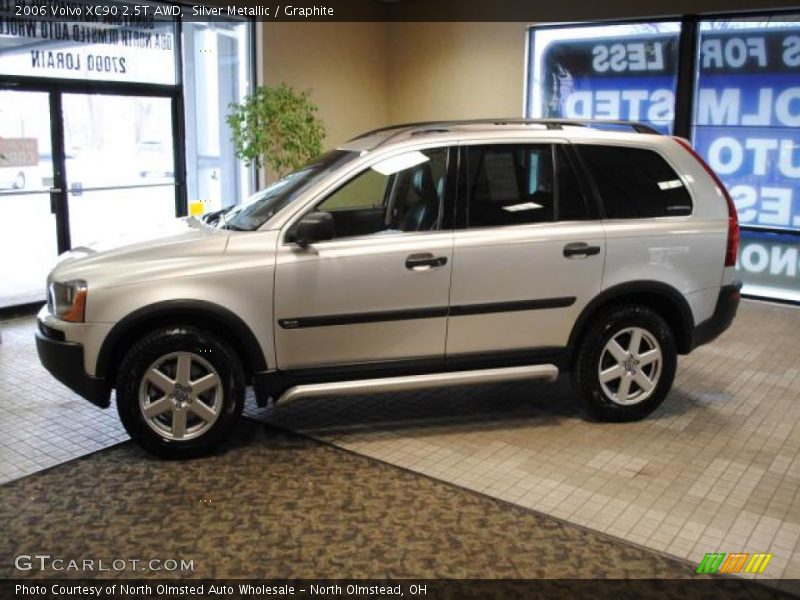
(276, 128)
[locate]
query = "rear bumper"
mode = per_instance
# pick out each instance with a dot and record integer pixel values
(64, 360)
(725, 311)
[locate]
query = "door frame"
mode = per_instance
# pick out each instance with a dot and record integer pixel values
(56, 88)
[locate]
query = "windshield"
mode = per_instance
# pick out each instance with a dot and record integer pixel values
(264, 204)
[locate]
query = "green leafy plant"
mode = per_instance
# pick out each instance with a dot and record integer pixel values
(277, 127)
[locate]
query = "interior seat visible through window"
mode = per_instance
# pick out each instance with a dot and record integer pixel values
(401, 194)
(418, 202)
(519, 184)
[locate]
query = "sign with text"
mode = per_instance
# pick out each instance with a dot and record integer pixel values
(86, 40)
(605, 72)
(769, 264)
(747, 119)
(19, 152)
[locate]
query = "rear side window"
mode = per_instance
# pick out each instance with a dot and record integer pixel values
(635, 183)
(510, 184)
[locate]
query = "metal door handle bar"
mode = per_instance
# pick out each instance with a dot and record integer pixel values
(417, 262)
(580, 249)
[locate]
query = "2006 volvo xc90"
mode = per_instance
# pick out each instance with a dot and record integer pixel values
(418, 255)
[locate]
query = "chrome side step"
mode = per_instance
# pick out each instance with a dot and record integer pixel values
(415, 382)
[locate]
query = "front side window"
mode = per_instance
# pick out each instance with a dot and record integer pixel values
(265, 204)
(635, 183)
(511, 184)
(404, 193)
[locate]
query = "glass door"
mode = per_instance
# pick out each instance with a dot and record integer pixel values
(28, 241)
(119, 165)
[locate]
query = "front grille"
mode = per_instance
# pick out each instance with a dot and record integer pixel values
(53, 334)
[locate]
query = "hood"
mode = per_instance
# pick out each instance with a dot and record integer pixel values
(155, 254)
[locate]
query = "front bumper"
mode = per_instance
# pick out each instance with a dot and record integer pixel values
(725, 311)
(64, 360)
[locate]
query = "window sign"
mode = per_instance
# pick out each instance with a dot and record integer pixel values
(614, 72)
(769, 264)
(133, 42)
(19, 152)
(747, 116)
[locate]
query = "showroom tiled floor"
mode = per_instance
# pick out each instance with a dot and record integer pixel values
(717, 468)
(43, 423)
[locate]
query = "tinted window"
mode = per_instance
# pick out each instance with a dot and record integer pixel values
(401, 194)
(513, 184)
(635, 183)
(367, 190)
(571, 203)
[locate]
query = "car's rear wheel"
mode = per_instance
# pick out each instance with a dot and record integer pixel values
(180, 391)
(626, 363)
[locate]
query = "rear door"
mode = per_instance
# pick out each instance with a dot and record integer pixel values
(655, 230)
(528, 253)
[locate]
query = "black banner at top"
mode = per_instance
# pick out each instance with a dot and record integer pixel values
(380, 10)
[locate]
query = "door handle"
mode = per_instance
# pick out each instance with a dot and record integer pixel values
(580, 250)
(424, 262)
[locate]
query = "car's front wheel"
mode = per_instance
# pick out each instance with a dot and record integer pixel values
(626, 363)
(180, 391)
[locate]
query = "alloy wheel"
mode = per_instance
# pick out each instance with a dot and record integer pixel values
(180, 396)
(630, 366)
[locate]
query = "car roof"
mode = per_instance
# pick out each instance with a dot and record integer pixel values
(452, 131)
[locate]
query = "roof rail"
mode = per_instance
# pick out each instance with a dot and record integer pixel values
(637, 126)
(549, 123)
(398, 126)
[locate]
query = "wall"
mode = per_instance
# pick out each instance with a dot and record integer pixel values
(364, 75)
(455, 70)
(343, 64)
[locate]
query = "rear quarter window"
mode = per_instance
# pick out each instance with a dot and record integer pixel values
(635, 183)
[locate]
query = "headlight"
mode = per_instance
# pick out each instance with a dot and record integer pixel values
(67, 300)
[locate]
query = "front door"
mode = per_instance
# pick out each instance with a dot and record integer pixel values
(529, 254)
(377, 292)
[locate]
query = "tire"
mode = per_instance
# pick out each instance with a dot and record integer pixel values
(192, 385)
(19, 181)
(633, 383)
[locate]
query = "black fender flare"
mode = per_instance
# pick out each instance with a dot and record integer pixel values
(682, 319)
(167, 310)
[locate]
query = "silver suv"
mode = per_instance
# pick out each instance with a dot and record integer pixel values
(421, 255)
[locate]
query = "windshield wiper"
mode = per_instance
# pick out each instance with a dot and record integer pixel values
(224, 221)
(232, 227)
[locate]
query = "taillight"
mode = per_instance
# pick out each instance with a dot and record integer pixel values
(732, 247)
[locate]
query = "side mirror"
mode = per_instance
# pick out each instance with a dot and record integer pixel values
(314, 227)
